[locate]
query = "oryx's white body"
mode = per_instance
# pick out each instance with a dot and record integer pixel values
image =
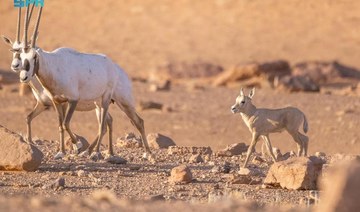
(80, 81)
(262, 122)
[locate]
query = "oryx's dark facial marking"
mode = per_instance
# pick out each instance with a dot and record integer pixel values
(26, 65)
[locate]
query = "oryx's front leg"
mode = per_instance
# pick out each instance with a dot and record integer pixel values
(39, 107)
(255, 138)
(60, 112)
(68, 115)
(269, 147)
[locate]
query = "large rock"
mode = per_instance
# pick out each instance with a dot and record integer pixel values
(295, 173)
(180, 174)
(233, 149)
(341, 188)
(295, 83)
(16, 154)
(159, 141)
(267, 70)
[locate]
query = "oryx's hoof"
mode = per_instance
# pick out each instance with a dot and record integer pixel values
(77, 147)
(150, 157)
(59, 155)
(85, 153)
(96, 156)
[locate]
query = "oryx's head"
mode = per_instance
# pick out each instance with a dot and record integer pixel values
(17, 46)
(29, 57)
(242, 101)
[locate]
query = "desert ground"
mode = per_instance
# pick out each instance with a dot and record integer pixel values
(142, 36)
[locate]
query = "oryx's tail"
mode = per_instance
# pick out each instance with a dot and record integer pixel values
(305, 124)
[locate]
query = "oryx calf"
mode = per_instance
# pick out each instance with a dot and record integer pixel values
(262, 122)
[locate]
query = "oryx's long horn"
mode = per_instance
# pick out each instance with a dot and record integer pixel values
(17, 39)
(26, 26)
(33, 41)
(30, 14)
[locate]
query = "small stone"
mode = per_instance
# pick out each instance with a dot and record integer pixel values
(233, 149)
(159, 141)
(115, 160)
(81, 173)
(196, 159)
(180, 174)
(250, 172)
(277, 153)
(146, 105)
(58, 184)
(258, 160)
(240, 179)
(129, 141)
(224, 168)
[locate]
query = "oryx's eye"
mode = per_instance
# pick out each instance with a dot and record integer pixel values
(26, 65)
(243, 102)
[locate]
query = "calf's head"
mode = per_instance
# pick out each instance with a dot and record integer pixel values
(242, 101)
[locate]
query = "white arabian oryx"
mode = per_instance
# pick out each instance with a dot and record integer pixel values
(43, 99)
(262, 122)
(73, 77)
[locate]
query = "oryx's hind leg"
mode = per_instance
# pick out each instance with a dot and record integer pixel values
(138, 122)
(299, 142)
(269, 147)
(305, 142)
(96, 155)
(39, 107)
(109, 121)
(60, 112)
(70, 109)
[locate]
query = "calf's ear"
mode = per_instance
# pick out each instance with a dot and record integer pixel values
(252, 92)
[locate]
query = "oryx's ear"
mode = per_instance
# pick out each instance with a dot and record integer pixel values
(252, 93)
(7, 40)
(241, 92)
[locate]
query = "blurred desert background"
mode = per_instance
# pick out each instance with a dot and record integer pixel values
(178, 54)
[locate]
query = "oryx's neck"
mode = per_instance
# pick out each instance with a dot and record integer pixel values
(44, 72)
(248, 113)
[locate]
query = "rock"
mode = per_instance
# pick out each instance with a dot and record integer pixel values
(266, 70)
(115, 160)
(84, 142)
(233, 149)
(180, 150)
(258, 160)
(250, 172)
(196, 159)
(344, 194)
(325, 72)
(240, 179)
(159, 141)
(16, 154)
(180, 174)
(146, 105)
(295, 84)
(129, 141)
(295, 173)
